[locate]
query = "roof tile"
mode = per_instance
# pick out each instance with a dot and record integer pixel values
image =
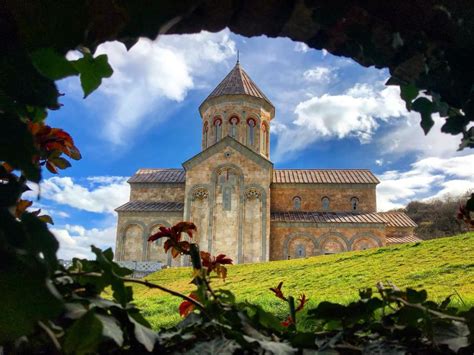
(150, 206)
(238, 82)
(324, 176)
(159, 176)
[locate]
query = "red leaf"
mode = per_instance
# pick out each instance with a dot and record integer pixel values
(287, 322)
(303, 300)
(222, 259)
(185, 227)
(278, 292)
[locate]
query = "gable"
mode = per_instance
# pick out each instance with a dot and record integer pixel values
(220, 147)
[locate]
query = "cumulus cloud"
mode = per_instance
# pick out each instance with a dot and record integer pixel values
(319, 74)
(154, 73)
(97, 194)
(301, 47)
(428, 178)
(406, 136)
(75, 240)
(355, 113)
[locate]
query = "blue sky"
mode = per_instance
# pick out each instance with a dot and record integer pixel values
(330, 113)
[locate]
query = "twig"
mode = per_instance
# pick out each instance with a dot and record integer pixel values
(51, 335)
(167, 290)
(149, 285)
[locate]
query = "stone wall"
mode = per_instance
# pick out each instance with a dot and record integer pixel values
(311, 195)
(398, 232)
(157, 192)
(243, 108)
(227, 197)
(133, 230)
(292, 240)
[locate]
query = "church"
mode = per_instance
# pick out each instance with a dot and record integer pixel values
(242, 205)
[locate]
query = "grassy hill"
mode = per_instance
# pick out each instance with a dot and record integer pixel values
(442, 267)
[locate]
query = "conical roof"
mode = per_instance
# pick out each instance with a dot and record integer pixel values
(237, 82)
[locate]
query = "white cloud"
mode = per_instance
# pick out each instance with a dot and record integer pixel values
(355, 113)
(75, 240)
(406, 136)
(319, 74)
(101, 194)
(379, 162)
(153, 73)
(428, 178)
(301, 47)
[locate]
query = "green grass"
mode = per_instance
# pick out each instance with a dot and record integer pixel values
(442, 267)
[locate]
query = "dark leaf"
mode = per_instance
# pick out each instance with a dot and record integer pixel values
(84, 336)
(414, 296)
(92, 71)
(455, 124)
(144, 335)
(111, 329)
(51, 64)
(425, 108)
(408, 93)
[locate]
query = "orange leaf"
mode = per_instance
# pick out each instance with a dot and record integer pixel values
(187, 307)
(21, 207)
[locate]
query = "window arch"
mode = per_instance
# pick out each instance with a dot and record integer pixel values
(354, 203)
(251, 131)
(296, 203)
(325, 202)
(204, 134)
(218, 128)
(233, 121)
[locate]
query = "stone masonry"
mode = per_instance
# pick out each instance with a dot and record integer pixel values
(245, 208)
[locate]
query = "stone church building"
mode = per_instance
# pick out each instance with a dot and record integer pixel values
(242, 205)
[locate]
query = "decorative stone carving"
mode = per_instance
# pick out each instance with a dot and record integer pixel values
(252, 194)
(200, 194)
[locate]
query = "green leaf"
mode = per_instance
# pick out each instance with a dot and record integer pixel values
(425, 108)
(111, 329)
(408, 93)
(52, 65)
(113, 273)
(144, 335)
(84, 336)
(27, 294)
(92, 71)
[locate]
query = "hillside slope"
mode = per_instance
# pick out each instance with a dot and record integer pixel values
(442, 267)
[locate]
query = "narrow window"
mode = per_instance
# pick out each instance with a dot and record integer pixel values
(233, 127)
(218, 129)
(251, 131)
(325, 202)
(354, 203)
(300, 251)
(227, 198)
(296, 203)
(265, 139)
(205, 135)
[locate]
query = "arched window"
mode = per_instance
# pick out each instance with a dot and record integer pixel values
(325, 202)
(354, 203)
(204, 134)
(233, 126)
(218, 128)
(251, 131)
(296, 203)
